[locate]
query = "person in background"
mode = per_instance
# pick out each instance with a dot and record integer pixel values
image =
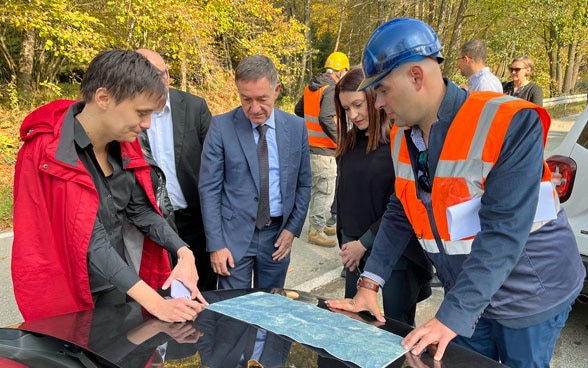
(254, 182)
(472, 65)
(521, 69)
(318, 109)
(80, 177)
(366, 181)
(175, 141)
(510, 277)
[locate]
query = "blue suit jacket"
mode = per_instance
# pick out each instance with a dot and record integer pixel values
(229, 179)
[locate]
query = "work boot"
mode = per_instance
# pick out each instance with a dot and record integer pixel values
(332, 221)
(320, 238)
(330, 230)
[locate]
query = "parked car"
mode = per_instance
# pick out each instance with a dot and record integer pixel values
(126, 336)
(569, 165)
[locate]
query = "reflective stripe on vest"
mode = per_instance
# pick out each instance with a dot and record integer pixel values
(472, 147)
(312, 108)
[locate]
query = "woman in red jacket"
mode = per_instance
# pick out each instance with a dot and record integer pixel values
(80, 180)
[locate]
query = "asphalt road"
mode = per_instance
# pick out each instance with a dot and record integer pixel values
(316, 269)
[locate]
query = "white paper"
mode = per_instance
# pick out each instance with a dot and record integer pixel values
(178, 290)
(546, 206)
(463, 220)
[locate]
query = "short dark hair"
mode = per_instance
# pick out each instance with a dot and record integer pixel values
(256, 67)
(124, 74)
(475, 49)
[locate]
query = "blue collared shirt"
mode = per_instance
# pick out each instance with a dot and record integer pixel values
(274, 165)
(161, 141)
(484, 80)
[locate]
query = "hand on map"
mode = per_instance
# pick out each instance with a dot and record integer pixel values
(185, 271)
(364, 300)
(363, 318)
(431, 333)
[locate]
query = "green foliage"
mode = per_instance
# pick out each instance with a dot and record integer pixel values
(256, 27)
(66, 26)
(8, 149)
(52, 88)
(12, 93)
(6, 204)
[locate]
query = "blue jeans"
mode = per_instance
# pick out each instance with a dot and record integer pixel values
(257, 264)
(530, 347)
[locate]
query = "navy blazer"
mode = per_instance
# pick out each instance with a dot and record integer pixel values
(229, 179)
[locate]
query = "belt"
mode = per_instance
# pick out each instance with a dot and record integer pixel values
(274, 221)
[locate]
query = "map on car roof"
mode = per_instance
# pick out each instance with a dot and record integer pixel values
(343, 337)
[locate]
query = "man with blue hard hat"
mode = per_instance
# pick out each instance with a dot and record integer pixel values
(472, 184)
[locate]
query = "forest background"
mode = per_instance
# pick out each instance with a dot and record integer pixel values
(46, 45)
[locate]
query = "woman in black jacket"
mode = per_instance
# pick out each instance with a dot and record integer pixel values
(521, 69)
(365, 183)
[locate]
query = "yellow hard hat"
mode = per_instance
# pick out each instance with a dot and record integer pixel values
(337, 61)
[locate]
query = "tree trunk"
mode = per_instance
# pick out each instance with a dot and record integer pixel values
(578, 61)
(340, 28)
(6, 54)
(568, 73)
(551, 51)
(26, 58)
(455, 37)
(559, 71)
(308, 48)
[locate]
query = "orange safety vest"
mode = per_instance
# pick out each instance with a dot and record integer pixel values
(483, 121)
(312, 108)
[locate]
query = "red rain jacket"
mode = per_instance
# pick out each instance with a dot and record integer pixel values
(55, 206)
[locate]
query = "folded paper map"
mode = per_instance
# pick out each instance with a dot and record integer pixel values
(344, 338)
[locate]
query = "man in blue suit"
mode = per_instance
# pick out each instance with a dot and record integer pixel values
(241, 250)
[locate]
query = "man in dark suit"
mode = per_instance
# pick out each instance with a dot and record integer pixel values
(175, 142)
(246, 240)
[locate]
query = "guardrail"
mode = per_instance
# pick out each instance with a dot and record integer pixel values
(564, 100)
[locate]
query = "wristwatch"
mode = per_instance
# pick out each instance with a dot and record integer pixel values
(367, 284)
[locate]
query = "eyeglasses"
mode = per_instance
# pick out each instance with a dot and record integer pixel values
(515, 70)
(462, 57)
(424, 180)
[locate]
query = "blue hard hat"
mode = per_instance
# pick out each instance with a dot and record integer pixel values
(394, 43)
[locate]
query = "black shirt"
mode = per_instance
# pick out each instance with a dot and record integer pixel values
(121, 199)
(365, 183)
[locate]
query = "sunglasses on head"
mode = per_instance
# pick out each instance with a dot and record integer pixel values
(423, 166)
